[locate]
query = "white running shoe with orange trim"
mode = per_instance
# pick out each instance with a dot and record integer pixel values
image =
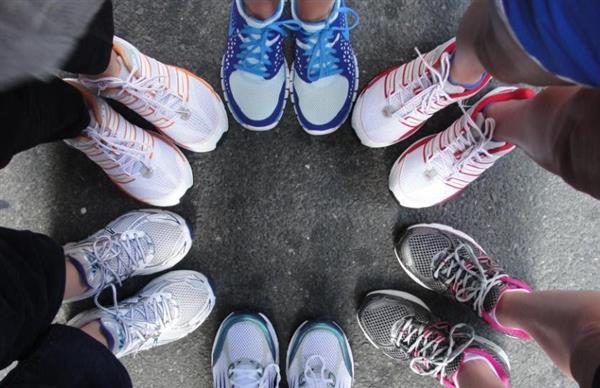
(143, 164)
(397, 102)
(180, 104)
(439, 167)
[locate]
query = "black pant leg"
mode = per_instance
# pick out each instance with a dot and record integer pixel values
(68, 358)
(32, 283)
(39, 112)
(92, 54)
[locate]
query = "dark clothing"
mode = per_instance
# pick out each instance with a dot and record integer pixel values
(32, 283)
(39, 112)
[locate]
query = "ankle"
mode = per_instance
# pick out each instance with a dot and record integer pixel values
(94, 330)
(464, 72)
(502, 112)
(261, 9)
(478, 373)
(505, 311)
(314, 10)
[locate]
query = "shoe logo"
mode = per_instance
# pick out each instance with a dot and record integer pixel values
(109, 230)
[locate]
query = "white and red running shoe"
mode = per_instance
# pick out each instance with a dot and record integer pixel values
(180, 104)
(397, 102)
(439, 167)
(453, 264)
(142, 163)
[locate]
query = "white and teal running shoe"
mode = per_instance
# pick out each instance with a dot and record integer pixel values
(319, 355)
(325, 71)
(246, 353)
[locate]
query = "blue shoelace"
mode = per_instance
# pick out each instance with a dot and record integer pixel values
(322, 56)
(254, 57)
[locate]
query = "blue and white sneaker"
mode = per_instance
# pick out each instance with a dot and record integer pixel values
(254, 73)
(325, 73)
(246, 353)
(319, 355)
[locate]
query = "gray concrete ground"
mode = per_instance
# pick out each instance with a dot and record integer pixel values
(300, 227)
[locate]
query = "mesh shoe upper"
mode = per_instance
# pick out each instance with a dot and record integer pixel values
(453, 264)
(245, 353)
(404, 329)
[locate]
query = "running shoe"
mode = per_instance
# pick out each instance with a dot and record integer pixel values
(319, 355)
(246, 353)
(169, 308)
(452, 264)
(141, 242)
(178, 103)
(397, 102)
(325, 71)
(404, 329)
(142, 163)
(439, 167)
(254, 73)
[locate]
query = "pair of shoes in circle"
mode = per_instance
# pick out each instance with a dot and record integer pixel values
(141, 242)
(452, 264)
(399, 101)
(322, 82)
(183, 108)
(246, 354)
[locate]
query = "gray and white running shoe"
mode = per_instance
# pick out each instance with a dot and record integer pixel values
(404, 328)
(453, 264)
(319, 356)
(246, 353)
(141, 242)
(166, 310)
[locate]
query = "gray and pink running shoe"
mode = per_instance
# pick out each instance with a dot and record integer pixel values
(404, 329)
(452, 264)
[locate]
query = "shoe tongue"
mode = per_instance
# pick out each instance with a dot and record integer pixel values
(491, 299)
(115, 334)
(451, 88)
(128, 59)
(90, 273)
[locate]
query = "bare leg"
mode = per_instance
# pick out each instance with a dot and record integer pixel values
(93, 330)
(566, 324)
(73, 283)
(314, 10)
(477, 374)
(261, 9)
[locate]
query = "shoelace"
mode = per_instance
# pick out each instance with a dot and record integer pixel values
(255, 377)
(467, 147)
(431, 90)
(467, 279)
(257, 44)
(318, 47)
(132, 156)
(150, 90)
(432, 351)
(316, 380)
(117, 258)
(143, 319)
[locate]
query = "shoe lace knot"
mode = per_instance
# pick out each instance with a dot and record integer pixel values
(257, 44)
(144, 318)
(432, 348)
(132, 156)
(116, 257)
(468, 147)
(318, 47)
(249, 374)
(468, 277)
(315, 374)
(425, 94)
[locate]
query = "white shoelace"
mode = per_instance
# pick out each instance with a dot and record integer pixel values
(469, 282)
(132, 156)
(430, 88)
(117, 258)
(316, 380)
(150, 90)
(469, 146)
(252, 377)
(143, 320)
(433, 353)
